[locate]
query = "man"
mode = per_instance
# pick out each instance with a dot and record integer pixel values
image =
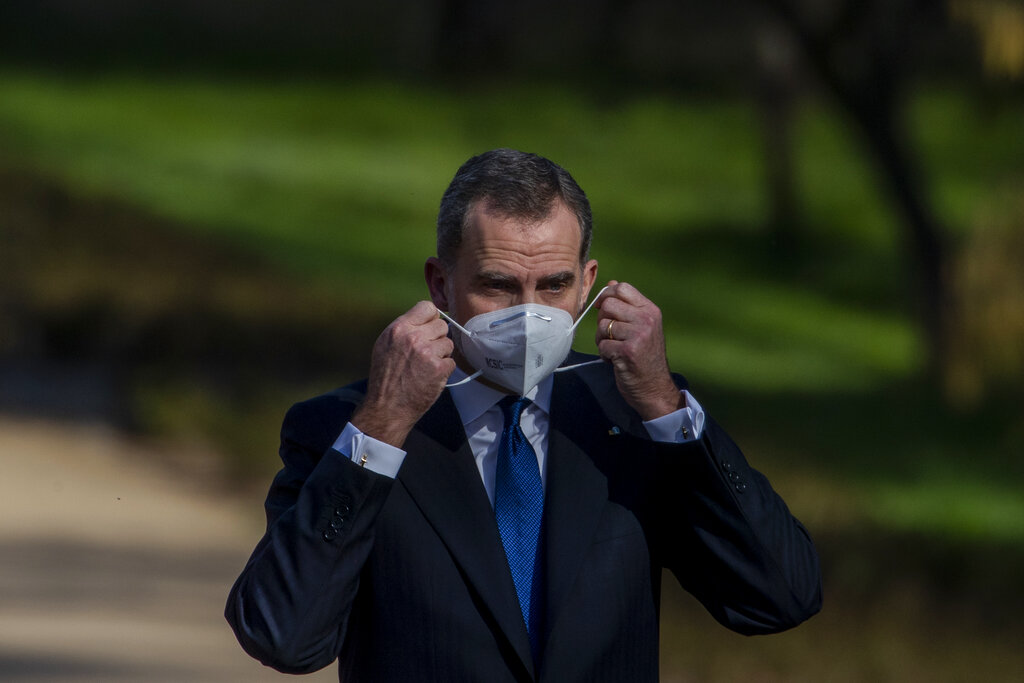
(431, 524)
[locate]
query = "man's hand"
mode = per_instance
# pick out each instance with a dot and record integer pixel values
(629, 335)
(410, 364)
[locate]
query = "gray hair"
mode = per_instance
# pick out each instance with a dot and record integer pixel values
(515, 184)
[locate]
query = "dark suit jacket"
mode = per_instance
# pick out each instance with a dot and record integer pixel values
(406, 580)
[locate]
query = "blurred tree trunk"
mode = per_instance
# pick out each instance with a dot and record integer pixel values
(857, 49)
(608, 56)
(455, 27)
(775, 90)
(471, 39)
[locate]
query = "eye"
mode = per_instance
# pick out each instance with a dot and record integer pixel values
(498, 285)
(557, 286)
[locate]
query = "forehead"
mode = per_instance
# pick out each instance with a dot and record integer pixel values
(491, 240)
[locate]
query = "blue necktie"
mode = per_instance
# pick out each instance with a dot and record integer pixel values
(519, 508)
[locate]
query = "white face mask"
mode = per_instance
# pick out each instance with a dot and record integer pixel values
(519, 346)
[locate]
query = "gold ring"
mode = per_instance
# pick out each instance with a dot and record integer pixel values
(608, 332)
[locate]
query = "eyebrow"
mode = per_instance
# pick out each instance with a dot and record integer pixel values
(565, 278)
(495, 276)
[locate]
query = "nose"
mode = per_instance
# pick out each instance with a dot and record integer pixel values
(520, 296)
(527, 297)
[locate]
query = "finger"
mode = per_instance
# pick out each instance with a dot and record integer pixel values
(610, 349)
(443, 347)
(606, 292)
(630, 294)
(615, 329)
(435, 329)
(623, 292)
(611, 330)
(618, 309)
(423, 312)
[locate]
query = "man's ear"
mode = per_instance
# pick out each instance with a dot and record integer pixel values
(436, 276)
(589, 277)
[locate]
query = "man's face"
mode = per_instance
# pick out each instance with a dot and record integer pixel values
(504, 262)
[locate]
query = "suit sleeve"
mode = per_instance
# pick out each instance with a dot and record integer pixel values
(290, 607)
(730, 539)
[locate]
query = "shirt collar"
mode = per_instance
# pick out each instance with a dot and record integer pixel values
(473, 399)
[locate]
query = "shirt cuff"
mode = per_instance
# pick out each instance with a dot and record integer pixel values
(374, 455)
(685, 424)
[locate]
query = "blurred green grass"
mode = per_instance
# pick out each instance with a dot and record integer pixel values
(342, 183)
(337, 185)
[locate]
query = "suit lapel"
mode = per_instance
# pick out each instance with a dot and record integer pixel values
(576, 490)
(441, 476)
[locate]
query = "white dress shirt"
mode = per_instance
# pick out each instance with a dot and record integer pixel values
(483, 421)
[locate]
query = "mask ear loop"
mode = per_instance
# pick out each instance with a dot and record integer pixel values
(464, 381)
(587, 309)
(450, 320)
(573, 329)
(465, 332)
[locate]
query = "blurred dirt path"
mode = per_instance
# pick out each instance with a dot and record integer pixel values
(114, 569)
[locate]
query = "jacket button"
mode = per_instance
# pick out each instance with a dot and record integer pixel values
(330, 534)
(740, 487)
(342, 510)
(726, 465)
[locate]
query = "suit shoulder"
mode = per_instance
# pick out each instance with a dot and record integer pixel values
(319, 419)
(336, 399)
(601, 376)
